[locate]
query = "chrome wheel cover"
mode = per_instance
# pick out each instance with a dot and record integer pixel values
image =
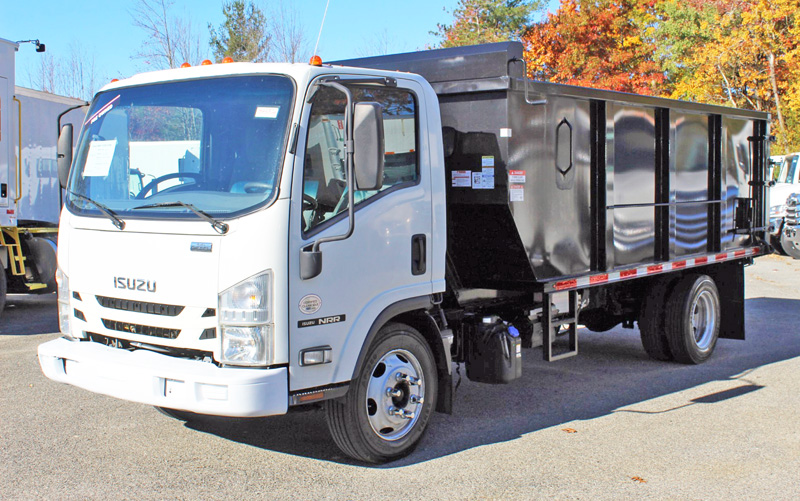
(395, 395)
(704, 319)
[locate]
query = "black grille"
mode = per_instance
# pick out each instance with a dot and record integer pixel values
(168, 310)
(210, 333)
(145, 330)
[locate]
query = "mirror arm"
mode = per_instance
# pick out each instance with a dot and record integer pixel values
(348, 151)
(311, 261)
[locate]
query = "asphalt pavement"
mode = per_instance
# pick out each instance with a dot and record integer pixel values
(608, 424)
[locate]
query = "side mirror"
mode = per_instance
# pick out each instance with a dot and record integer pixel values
(368, 145)
(64, 154)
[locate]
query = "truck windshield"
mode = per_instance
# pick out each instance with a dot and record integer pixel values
(216, 144)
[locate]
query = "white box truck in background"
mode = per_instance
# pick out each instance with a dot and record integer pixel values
(30, 195)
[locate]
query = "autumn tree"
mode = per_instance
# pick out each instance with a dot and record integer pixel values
(485, 21)
(749, 58)
(243, 35)
(607, 44)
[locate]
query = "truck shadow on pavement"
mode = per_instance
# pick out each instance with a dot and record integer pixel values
(29, 314)
(611, 373)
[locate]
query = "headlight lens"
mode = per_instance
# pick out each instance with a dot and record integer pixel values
(64, 309)
(246, 345)
(246, 322)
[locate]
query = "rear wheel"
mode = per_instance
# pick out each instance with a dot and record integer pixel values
(389, 404)
(651, 321)
(692, 319)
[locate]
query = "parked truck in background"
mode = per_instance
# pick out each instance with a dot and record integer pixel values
(790, 236)
(30, 194)
(345, 233)
(785, 181)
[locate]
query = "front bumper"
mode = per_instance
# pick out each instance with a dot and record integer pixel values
(163, 381)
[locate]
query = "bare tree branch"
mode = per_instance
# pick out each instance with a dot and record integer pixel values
(169, 40)
(73, 76)
(288, 35)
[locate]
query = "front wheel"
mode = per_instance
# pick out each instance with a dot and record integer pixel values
(790, 246)
(390, 402)
(692, 319)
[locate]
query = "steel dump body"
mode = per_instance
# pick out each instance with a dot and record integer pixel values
(554, 183)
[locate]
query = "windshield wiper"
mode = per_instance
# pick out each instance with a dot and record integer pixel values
(218, 226)
(119, 223)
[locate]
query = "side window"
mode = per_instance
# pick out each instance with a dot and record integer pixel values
(324, 175)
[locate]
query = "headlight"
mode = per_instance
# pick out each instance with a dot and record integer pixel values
(777, 211)
(246, 331)
(64, 309)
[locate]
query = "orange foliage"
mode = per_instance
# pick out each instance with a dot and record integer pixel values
(606, 44)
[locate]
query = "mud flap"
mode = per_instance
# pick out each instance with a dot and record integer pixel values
(729, 278)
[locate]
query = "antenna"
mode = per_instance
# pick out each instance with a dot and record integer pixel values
(321, 25)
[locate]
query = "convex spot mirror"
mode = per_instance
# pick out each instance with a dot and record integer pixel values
(64, 154)
(368, 145)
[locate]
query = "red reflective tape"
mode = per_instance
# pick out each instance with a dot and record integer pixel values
(627, 273)
(10, 211)
(700, 260)
(678, 264)
(740, 253)
(656, 268)
(721, 257)
(566, 284)
(598, 279)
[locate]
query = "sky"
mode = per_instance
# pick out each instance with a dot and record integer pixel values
(104, 28)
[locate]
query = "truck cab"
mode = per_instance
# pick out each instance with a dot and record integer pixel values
(192, 196)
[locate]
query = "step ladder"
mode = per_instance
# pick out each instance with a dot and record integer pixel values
(551, 323)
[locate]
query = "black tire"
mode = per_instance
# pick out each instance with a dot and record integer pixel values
(364, 423)
(775, 242)
(651, 320)
(692, 319)
(789, 247)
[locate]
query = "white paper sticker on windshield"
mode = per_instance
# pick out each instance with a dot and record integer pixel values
(267, 111)
(98, 161)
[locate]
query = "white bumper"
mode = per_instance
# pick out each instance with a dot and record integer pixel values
(160, 380)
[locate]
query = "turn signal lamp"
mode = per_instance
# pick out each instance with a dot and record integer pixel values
(205, 62)
(186, 65)
(114, 80)
(315, 61)
(227, 59)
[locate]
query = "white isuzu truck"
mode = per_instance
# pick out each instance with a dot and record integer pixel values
(238, 239)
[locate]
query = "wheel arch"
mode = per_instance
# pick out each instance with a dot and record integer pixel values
(414, 313)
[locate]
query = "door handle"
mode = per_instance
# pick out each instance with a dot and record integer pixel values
(418, 265)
